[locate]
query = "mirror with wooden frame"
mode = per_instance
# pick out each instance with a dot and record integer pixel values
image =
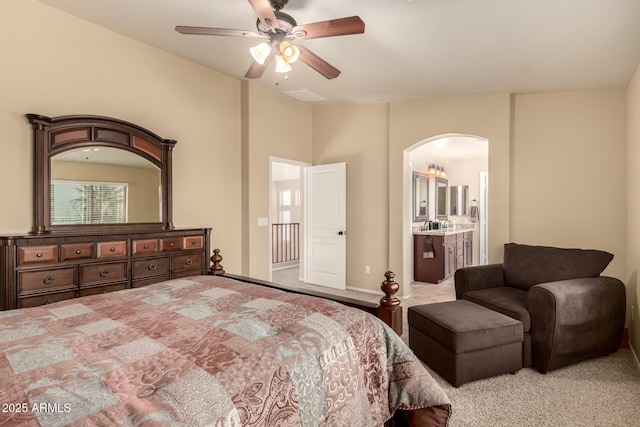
(97, 173)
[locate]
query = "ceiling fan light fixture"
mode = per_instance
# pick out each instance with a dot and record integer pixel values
(282, 66)
(261, 52)
(289, 52)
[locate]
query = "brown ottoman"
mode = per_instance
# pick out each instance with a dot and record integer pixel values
(463, 341)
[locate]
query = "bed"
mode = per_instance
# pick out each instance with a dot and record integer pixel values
(209, 351)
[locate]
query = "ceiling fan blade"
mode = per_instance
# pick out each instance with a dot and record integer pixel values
(317, 63)
(256, 70)
(206, 31)
(330, 28)
(264, 11)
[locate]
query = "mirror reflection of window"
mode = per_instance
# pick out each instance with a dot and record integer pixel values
(105, 165)
(81, 202)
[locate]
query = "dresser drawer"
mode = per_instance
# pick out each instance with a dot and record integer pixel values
(45, 299)
(95, 290)
(103, 272)
(150, 267)
(149, 280)
(112, 249)
(142, 247)
(54, 278)
(77, 251)
(186, 262)
(169, 244)
(192, 242)
(37, 254)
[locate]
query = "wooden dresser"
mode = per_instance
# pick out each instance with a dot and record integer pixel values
(41, 269)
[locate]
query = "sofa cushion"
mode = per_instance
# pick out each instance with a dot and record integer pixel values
(511, 302)
(525, 266)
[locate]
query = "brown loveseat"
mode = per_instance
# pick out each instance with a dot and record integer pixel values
(568, 311)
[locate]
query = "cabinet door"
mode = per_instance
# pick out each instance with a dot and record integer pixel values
(449, 259)
(468, 252)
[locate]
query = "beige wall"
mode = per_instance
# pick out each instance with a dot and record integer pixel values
(56, 64)
(358, 135)
(279, 126)
(568, 174)
(633, 210)
(412, 122)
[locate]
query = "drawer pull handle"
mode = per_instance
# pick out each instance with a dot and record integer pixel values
(48, 302)
(39, 255)
(49, 280)
(188, 262)
(146, 246)
(171, 244)
(104, 291)
(152, 266)
(104, 273)
(78, 252)
(193, 242)
(112, 249)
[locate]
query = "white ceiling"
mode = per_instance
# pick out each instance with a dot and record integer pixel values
(410, 48)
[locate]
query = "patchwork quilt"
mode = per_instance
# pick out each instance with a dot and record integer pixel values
(205, 351)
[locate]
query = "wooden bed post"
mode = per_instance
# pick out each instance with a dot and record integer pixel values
(389, 310)
(216, 269)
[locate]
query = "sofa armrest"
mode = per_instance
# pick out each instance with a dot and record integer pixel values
(478, 277)
(574, 320)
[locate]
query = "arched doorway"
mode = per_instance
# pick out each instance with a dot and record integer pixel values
(455, 168)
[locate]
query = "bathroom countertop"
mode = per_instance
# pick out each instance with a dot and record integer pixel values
(442, 232)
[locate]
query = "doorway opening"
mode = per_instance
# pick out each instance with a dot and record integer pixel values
(307, 216)
(454, 168)
(286, 219)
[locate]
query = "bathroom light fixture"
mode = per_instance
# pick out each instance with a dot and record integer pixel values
(437, 170)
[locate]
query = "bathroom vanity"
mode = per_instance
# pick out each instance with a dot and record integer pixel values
(439, 253)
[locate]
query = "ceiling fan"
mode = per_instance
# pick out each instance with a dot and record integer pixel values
(280, 29)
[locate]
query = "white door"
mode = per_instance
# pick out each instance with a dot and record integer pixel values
(326, 225)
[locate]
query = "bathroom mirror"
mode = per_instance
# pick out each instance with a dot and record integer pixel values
(459, 200)
(442, 198)
(420, 197)
(95, 173)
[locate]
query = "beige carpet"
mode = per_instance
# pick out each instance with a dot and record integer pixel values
(596, 393)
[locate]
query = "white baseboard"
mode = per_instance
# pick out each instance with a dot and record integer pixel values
(368, 291)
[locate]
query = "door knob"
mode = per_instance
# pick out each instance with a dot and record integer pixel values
(342, 233)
